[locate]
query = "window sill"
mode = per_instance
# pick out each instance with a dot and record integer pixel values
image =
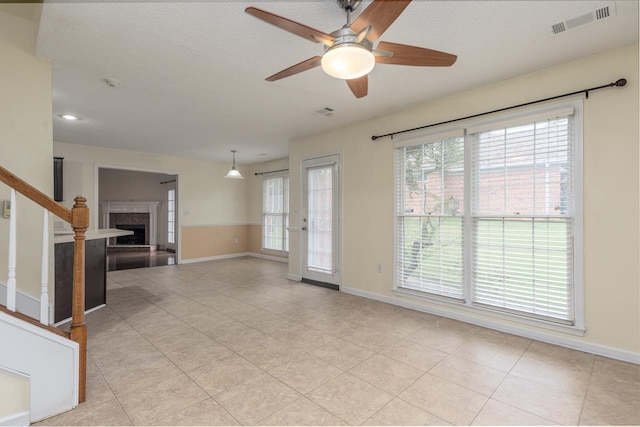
(464, 310)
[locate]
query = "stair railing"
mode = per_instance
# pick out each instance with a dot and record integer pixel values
(78, 217)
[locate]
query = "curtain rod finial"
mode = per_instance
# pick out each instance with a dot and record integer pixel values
(621, 82)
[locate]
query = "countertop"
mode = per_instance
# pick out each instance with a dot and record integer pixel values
(92, 234)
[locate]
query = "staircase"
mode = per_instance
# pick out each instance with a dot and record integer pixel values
(51, 361)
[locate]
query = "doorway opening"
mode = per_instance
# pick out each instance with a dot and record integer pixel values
(144, 202)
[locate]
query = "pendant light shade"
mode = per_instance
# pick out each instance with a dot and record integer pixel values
(233, 172)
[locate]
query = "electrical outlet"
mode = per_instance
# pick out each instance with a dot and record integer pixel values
(235, 240)
(379, 268)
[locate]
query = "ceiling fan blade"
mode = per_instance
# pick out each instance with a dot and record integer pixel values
(359, 86)
(291, 26)
(411, 55)
(295, 69)
(380, 15)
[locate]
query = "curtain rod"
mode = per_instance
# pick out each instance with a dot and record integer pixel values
(618, 83)
(166, 182)
(262, 173)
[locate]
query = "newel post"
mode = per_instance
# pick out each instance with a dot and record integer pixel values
(78, 333)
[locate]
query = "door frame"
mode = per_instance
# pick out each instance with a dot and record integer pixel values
(328, 159)
(96, 197)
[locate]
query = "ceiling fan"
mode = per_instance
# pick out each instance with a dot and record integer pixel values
(349, 52)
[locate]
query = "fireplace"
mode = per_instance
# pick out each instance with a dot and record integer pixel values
(136, 222)
(138, 214)
(137, 238)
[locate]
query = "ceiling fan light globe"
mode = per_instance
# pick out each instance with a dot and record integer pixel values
(348, 62)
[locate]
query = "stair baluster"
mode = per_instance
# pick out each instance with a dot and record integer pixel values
(44, 290)
(11, 280)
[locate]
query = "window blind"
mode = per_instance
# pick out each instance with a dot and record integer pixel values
(522, 213)
(491, 218)
(429, 223)
(275, 212)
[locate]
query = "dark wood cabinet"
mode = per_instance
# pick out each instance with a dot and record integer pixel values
(95, 276)
(58, 196)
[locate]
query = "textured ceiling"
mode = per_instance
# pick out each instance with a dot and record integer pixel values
(192, 74)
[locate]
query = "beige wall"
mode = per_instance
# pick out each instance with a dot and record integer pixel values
(25, 137)
(14, 394)
(128, 185)
(611, 190)
(205, 198)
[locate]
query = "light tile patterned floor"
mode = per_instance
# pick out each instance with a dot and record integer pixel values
(234, 343)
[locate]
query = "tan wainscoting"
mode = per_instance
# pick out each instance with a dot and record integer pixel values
(214, 240)
(218, 240)
(255, 238)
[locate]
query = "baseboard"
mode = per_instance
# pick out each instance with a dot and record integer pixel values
(601, 350)
(25, 303)
(19, 419)
(294, 277)
(91, 310)
(269, 257)
(321, 284)
(213, 258)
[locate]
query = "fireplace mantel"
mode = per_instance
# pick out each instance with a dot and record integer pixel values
(133, 207)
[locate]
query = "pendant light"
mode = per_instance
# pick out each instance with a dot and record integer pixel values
(233, 172)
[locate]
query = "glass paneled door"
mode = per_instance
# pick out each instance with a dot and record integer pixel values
(320, 221)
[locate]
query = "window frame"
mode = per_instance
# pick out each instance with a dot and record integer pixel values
(285, 214)
(467, 305)
(171, 223)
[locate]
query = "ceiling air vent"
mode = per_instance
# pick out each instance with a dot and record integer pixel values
(602, 13)
(558, 28)
(326, 111)
(586, 18)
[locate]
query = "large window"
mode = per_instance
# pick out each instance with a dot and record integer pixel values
(275, 213)
(486, 215)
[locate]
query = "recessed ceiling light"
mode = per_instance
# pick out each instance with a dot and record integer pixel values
(69, 117)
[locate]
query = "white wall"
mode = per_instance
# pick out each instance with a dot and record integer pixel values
(25, 138)
(611, 190)
(54, 378)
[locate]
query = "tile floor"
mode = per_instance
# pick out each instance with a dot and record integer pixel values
(234, 343)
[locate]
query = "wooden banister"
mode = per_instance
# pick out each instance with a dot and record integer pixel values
(34, 322)
(78, 217)
(35, 195)
(78, 332)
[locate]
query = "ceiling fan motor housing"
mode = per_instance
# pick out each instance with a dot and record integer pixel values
(345, 36)
(349, 5)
